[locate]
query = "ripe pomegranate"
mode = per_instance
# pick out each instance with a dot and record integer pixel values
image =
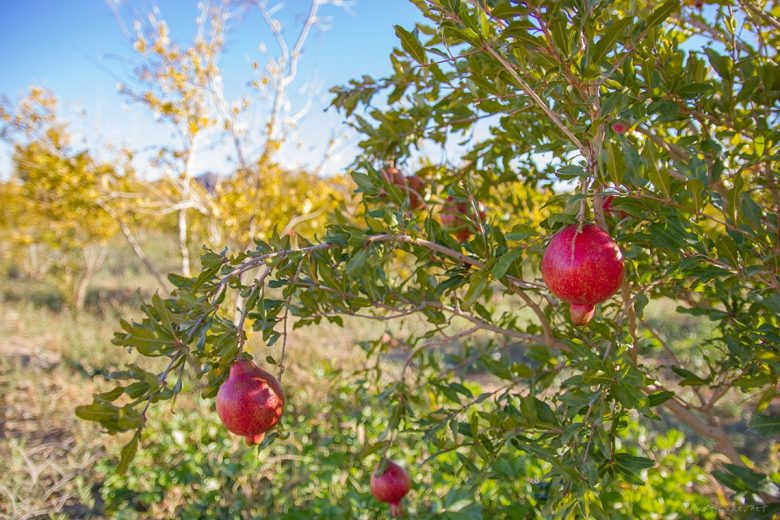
(582, 268)
(250, 401)
(606, 205)
(458, 217)
(619, 127)
(391, 487)
(412, 185)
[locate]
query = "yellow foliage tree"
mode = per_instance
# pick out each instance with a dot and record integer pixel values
(54, 199)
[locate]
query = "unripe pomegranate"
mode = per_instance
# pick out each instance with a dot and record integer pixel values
(391, 487)
(458, 217)
(412, 185)
(582, 268)
(250, 401)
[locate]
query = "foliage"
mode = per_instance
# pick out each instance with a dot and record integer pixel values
(695, 175)
(55, 198)
(246, 207)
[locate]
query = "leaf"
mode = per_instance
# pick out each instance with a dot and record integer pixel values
(97, 412)
(658, 398)
(128, 454)
(689, 378)
(607, 42)
(765, 424)
(357, 262)
(693, 90)
(633, 462)
(497, 368)
(662, 13)
(411, 45)
(368, 449)
(739, 478)
(505, 261)
(616, 164)
(659, 177)
(478, 284)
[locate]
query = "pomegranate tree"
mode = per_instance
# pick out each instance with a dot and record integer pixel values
(582, 267)
(391, 486)
(250, 401)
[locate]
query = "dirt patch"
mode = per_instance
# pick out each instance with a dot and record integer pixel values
(46, 451)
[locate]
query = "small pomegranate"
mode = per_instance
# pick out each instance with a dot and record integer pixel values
(250, 401)
(619, 127)
(412, 185)
(458, 217)
(416, 189)
(391, 487)
(606, 205)
(582, 268)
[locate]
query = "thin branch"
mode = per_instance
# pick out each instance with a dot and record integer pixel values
(536, 99)
(293, 281)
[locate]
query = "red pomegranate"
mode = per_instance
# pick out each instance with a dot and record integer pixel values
(391, 487)
(582, 268)
(458, 217)
(619, 127)
(250, 401)
(412, 185)
(416, 189)
(606, 205)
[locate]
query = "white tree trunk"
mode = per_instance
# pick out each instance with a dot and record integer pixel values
(184, 249)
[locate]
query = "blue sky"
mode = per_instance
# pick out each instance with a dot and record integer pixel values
(76, 49)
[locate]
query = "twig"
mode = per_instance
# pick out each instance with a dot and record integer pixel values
(293, 281)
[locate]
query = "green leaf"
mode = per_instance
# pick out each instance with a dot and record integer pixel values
(658, 176)
(765, 424)
(411, 45)
(478, 284)
(357, 261)
(608, 40)
(633, 462)
(616, 164)
(128, 454)
(505, 261)
(739, 478)
(662, 13)
(98, 412)
(658, 398)
(369, 449)
(689, 378)
(497, 368)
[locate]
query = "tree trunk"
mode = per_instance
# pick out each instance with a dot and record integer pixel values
(92, 263)
(184, 249)
(81, 292)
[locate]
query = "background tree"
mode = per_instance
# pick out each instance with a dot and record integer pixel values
(55, 195)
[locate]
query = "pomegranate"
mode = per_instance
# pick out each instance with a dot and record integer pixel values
(606, 205)
(619, 127)
(391, 487)
(582, 268)
(458, 217)
(412, 185)
(250, 401)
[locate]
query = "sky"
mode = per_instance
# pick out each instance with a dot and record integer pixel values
(76, 49)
